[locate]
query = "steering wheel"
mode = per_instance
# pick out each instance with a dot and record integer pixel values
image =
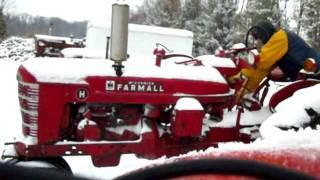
(167, 56)
(170, 55)
(187, 168)
(250, 37)
(191, 59)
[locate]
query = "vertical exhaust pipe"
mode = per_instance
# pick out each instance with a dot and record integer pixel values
(119, 36)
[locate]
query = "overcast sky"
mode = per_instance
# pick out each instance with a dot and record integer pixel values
(71, 10)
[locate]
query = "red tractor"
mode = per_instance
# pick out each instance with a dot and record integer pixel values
(50, 46)
(104, 109)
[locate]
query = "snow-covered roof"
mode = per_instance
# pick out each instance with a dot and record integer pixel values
(147, 29)
(67, 70)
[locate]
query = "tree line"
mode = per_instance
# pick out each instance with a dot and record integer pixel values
(26, 26)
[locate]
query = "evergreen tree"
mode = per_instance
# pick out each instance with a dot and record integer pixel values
(191, 20)
(212, 23)
(220, 27)
(166, 13)
(191, 10)
(257, 10)
(138, 16)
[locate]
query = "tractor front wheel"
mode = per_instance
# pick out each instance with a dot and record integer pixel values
(52, 163)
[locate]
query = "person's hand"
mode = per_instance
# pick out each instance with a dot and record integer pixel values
(233, 79)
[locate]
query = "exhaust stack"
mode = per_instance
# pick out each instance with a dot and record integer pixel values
(119, 36)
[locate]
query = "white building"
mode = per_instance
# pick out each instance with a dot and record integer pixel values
(142, 39)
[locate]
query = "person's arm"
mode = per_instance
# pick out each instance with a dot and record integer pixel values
(271, 52)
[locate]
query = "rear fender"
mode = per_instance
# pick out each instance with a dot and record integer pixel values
(288, 91)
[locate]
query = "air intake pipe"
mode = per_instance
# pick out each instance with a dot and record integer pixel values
(119, 36)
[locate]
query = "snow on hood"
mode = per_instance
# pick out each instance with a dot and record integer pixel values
(64, 70)
(212, 60)
(83, 53)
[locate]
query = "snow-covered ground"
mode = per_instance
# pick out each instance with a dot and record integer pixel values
(16, 49)
(289, 112)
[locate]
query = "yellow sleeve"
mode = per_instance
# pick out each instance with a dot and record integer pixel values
(254, 77)
(271, 52)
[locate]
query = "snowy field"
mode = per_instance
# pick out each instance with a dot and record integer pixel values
(14, 51)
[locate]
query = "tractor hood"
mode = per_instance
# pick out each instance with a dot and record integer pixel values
(75, 71)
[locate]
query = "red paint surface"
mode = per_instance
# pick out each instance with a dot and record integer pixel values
(304, 160)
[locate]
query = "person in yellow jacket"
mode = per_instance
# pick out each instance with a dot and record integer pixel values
(280, 48)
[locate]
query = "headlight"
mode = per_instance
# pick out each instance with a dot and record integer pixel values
(310, 65)
(253, 57)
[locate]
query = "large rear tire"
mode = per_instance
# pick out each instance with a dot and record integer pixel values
(52, 163)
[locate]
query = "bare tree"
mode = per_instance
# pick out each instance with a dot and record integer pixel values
(299, 19)
(5, 5)
(3, 30)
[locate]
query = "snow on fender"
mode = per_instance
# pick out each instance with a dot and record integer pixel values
(291, 113)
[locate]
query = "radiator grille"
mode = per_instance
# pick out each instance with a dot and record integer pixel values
(29, 103)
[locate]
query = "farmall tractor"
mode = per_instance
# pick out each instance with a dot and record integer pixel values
(108, 107)
(51, 46)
